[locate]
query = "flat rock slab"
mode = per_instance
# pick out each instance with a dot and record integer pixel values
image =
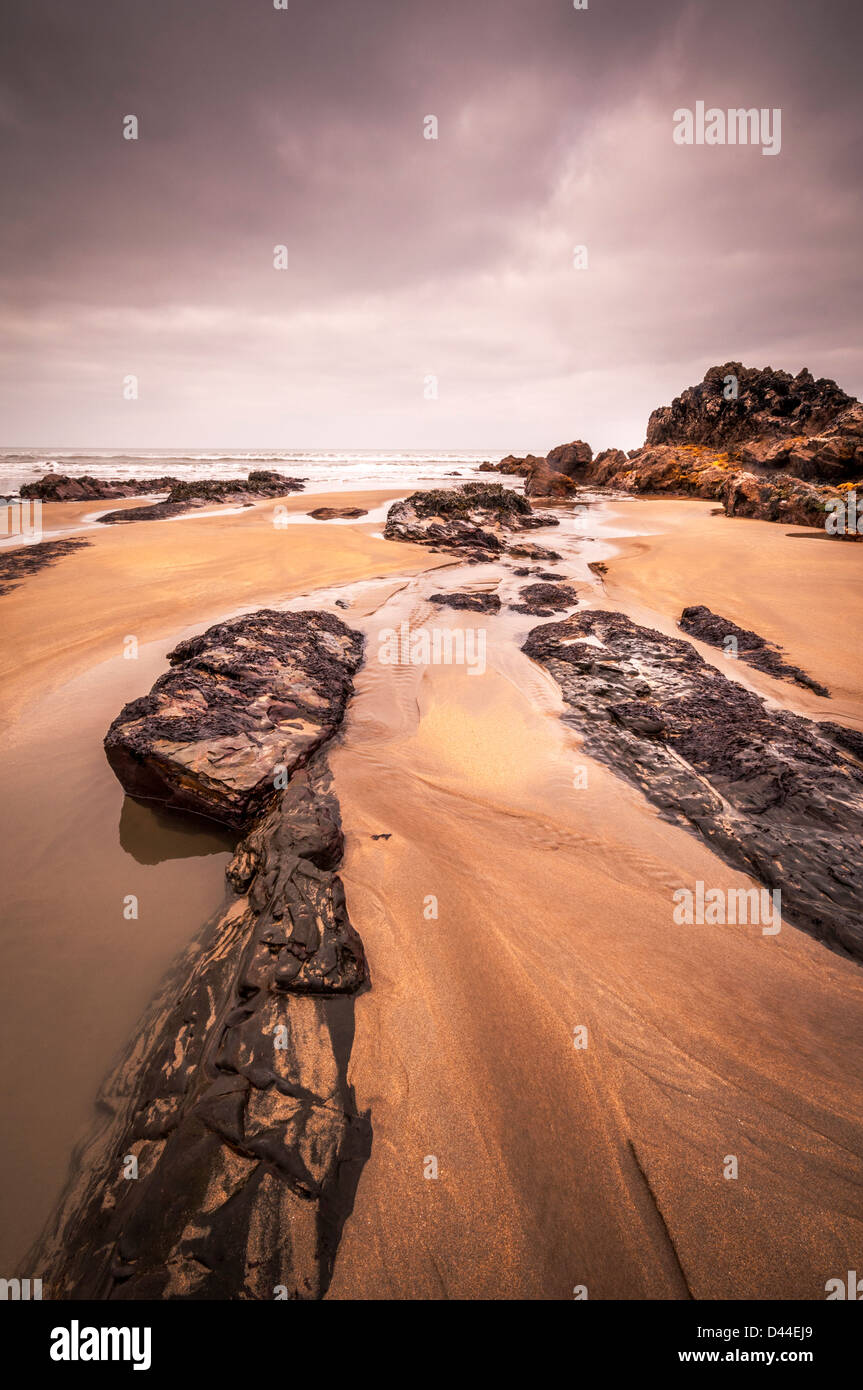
(766, 789)
(246, 703)
(333, 513)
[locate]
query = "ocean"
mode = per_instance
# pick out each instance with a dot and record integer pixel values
(326, 469)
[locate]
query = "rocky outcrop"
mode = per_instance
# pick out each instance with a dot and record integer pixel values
(201, 492)
(541, 600)
(231, 1145)
(810, 429)
(249, 696)
(59, 487)
(781, 449)
(738, 642)
(30, 559)
(766, 789)
(475, 519)
(261, 482)
(472, 603)
(545, 482)
(762, 443)
(518, 467)
(570, 459)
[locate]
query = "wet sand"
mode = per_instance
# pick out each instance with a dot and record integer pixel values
(72, 847)
(560, 1168)
(557, 1167)
(793, 585)
(146, 579)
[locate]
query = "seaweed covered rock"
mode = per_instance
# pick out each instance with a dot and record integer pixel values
(475, 518)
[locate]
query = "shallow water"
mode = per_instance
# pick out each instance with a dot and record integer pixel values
(78, 972)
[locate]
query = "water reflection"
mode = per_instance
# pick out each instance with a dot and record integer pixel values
(152, 833)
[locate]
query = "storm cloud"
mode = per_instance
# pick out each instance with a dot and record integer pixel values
(411, 257)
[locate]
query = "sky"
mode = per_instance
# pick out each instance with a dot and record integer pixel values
(412, 259)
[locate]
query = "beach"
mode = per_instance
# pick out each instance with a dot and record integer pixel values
(557, 1167)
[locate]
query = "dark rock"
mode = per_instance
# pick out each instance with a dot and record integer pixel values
(474, 518)
(756, 651)
(245, 699)
(849, 739)
(570, 458)
(518, 467)
(329, 513)
(764, 788)
(59, 487)
(30, 559)
(539, 598)
(475, 603)
(195, 493)
(544, 482)
(233, 1094)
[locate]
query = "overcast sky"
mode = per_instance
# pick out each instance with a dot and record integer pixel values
(411, 257)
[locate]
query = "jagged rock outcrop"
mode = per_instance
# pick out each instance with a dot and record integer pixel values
(475, 519)
(782, 448)
(30, 559)
(810, 429)
(766, 789)
(246, 698)
(230, 1145)
(738, 642)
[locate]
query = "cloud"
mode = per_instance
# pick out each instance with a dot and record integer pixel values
(410, 256)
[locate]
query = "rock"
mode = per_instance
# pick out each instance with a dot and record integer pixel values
(756, 651)
(248, 697)
(59, 487)
(766, 789)
(530, 551)
(851, 740)
(30, 559)
(543, 481)
(200, 492)
(329, 513)
(570, 458)
(233, 1094)
(809, 428)
(541, 600)
(777, 452)
(474, 603)
(518, 467)
(474, 518)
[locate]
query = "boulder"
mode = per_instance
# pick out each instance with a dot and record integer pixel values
(249, 699)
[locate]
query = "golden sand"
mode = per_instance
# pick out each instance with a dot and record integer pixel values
(557, 1167)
